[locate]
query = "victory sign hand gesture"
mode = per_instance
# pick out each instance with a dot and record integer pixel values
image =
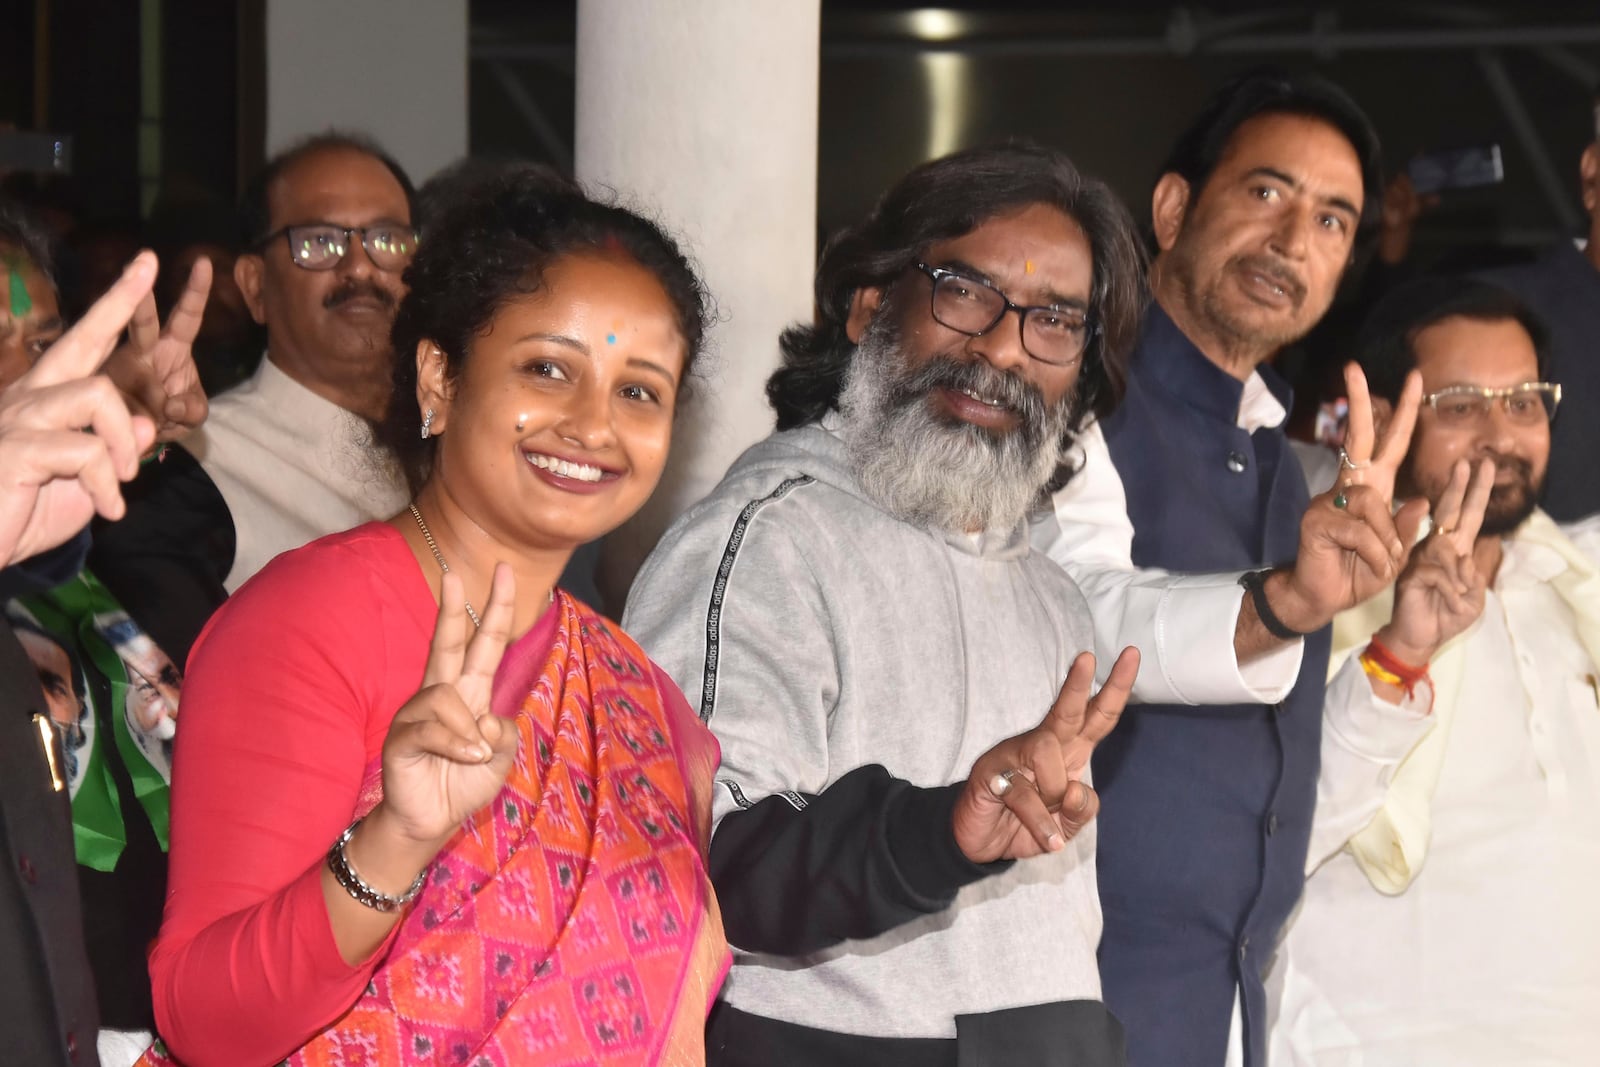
(54, 477)
(1026, 796)
(1351, 545)
(447, 753)
(155, 368)
(1441, 592)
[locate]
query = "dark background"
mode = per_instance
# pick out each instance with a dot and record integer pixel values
(1110, 82)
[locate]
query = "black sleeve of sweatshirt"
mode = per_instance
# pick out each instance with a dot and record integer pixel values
(863, 856)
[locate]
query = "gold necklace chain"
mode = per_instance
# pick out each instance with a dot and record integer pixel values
(443, 566)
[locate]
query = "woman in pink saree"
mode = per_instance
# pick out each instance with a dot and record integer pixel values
(409, 831)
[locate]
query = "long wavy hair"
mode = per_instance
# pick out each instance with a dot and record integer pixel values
(944, 199)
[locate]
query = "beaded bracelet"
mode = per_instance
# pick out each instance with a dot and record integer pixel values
(346, 876)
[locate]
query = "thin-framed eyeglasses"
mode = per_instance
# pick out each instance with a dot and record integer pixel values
(1527, 404)
(1054, 334)
(321, 245)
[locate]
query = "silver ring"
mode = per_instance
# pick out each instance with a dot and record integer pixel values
(1348, 464)
(1000, 784)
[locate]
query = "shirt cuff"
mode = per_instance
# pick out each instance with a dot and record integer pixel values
(1366, 725)
(1195, 625)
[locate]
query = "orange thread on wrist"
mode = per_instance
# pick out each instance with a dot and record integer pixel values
(1384, 665)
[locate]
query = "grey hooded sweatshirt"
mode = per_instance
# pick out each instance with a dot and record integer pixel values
(853, 668)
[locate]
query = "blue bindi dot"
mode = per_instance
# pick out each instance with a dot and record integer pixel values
(611, 338)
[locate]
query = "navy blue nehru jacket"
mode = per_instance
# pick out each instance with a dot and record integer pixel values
(1206, 811)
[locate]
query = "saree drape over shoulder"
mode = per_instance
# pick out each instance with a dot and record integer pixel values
(569, 921)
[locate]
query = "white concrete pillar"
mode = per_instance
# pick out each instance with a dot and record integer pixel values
(703, 113)
(393, 69)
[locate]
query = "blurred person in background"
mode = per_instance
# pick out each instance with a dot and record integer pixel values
(287, 456)
(53, 477)
(1563, 289)
(188, 222)
(116, 779)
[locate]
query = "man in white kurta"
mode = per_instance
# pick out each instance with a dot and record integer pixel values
(1452, 919)
(288, 455)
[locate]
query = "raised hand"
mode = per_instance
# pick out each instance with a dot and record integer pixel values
(155, 368)
(1026, 796)
(53, 476)
(1441, 592)
(447, 753)
(1351, 544)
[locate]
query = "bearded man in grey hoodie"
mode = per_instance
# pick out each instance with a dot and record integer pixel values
(904, 840)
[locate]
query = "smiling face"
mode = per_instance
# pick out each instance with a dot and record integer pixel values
(1253, 260)
(30, 317)
(557, 428)
(1496, 354)
(958, 432)
(1036, 256)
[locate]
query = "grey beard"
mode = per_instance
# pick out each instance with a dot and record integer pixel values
(929, 471)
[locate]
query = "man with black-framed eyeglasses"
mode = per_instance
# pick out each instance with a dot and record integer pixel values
(285, 457)
(1054, 333)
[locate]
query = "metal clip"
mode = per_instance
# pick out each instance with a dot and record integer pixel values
(47, 739)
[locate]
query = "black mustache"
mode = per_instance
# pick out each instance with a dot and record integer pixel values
(356, 291)
(1282, 276)
(1521, 467)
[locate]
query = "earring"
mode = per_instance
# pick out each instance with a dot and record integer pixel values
(427, 424)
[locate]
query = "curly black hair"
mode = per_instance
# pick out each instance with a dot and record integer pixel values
(492, 245)
(946, 198)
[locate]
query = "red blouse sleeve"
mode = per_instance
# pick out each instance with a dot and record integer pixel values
(288, 696)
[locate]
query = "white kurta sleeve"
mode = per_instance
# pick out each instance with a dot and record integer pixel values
(1183, 625)
(1364, 739)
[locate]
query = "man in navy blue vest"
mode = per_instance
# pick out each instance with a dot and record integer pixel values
(1208, 809)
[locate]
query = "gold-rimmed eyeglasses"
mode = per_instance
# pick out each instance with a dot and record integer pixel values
(1527, 404)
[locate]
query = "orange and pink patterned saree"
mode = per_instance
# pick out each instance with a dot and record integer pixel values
(570, 921)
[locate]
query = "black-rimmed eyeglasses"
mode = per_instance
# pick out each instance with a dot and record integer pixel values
(1527, 404)
(321, 245)
(1050, 334)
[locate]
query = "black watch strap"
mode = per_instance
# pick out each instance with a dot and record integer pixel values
(1255, 583)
